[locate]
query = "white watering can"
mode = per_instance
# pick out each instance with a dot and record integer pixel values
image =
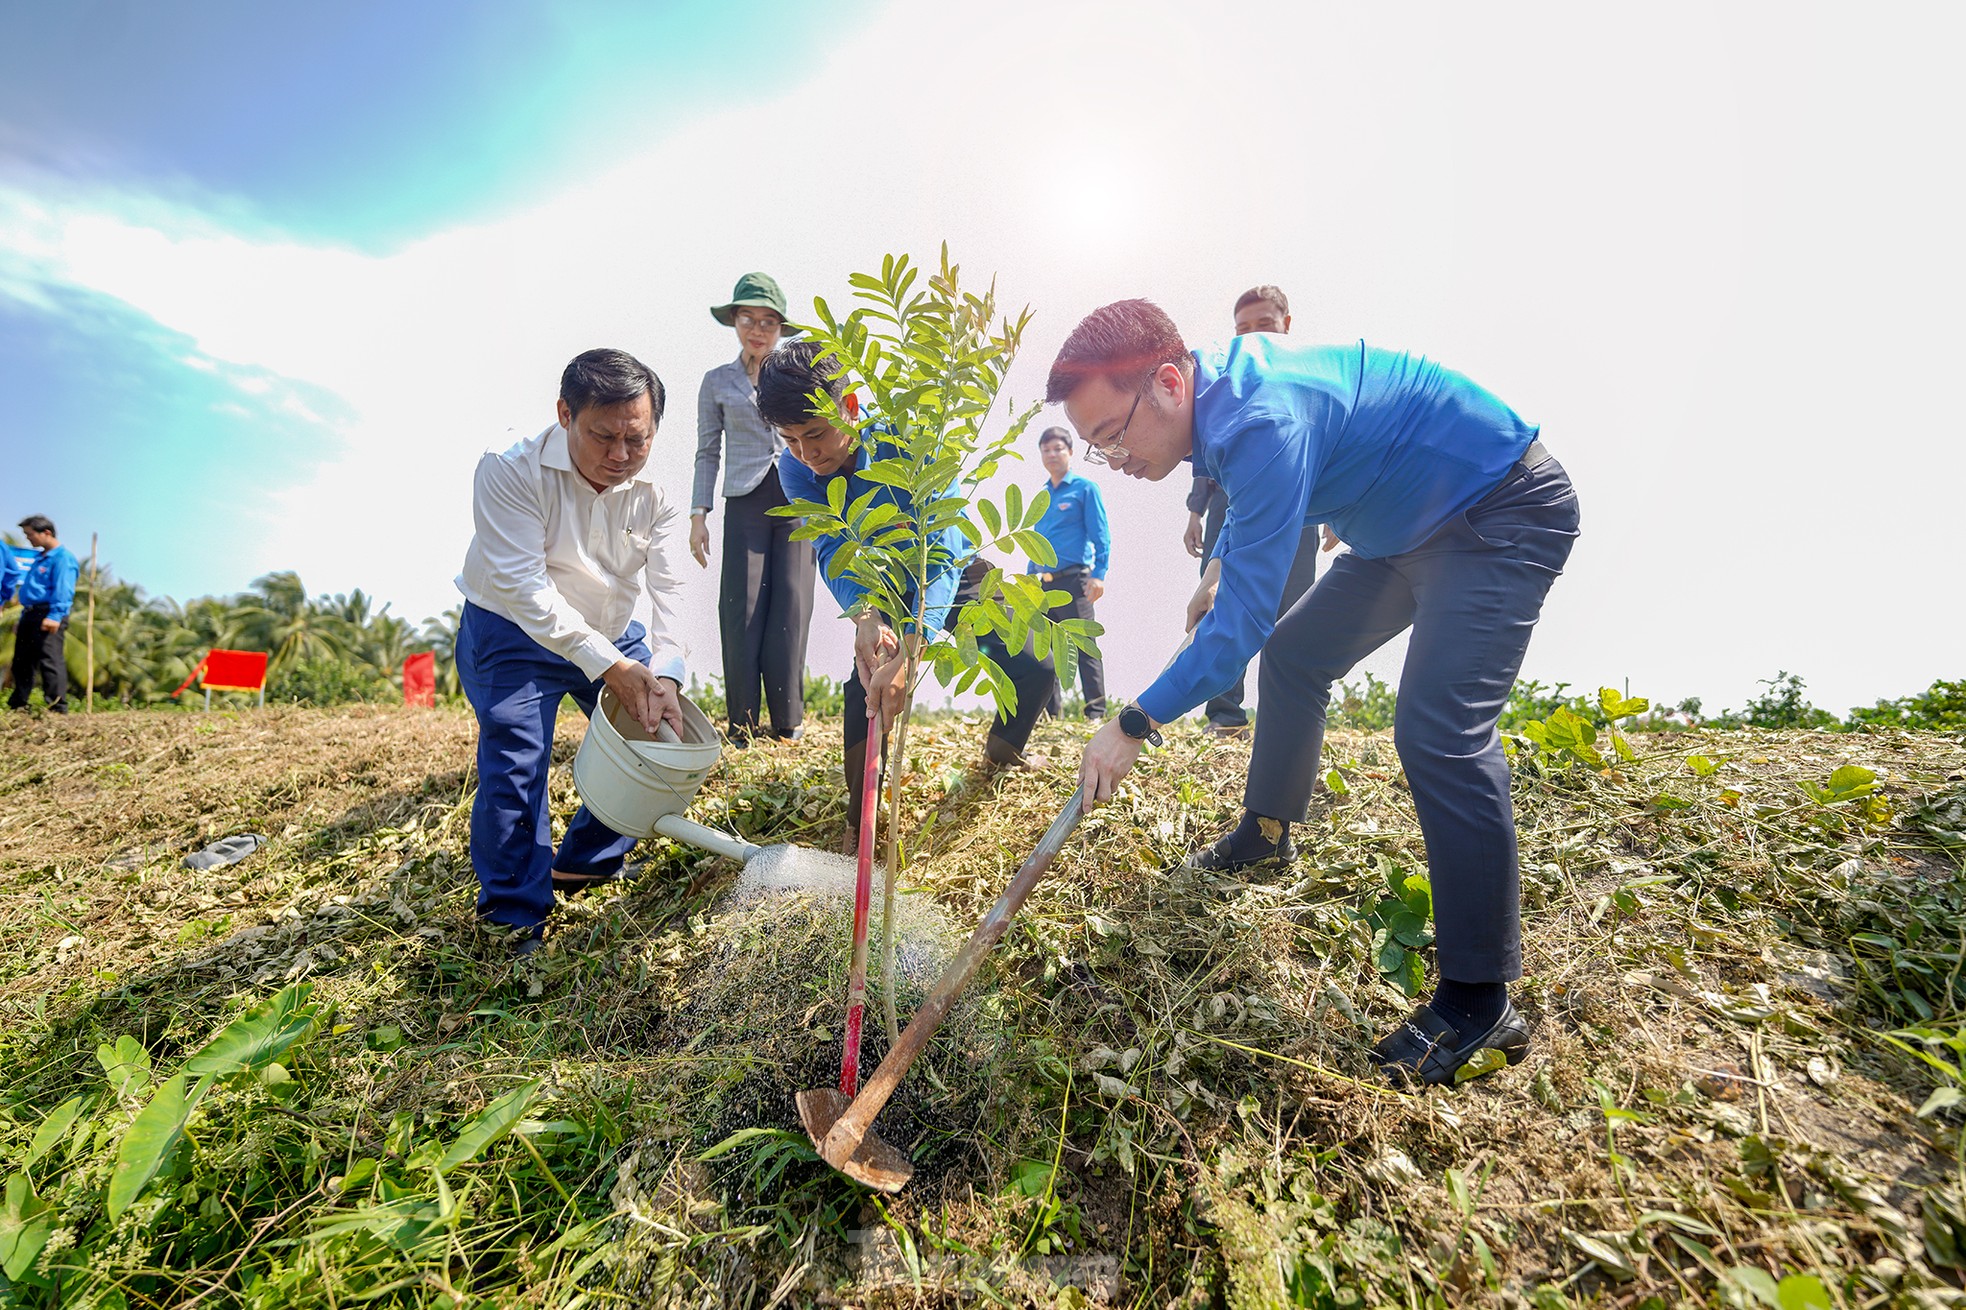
(639, 785)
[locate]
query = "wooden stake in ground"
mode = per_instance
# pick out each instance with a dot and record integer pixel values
(89, 689)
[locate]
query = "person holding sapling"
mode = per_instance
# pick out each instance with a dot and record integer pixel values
(818, 453)
(764, 605)
(1458, 520)
(1074, 524)
(1260, 309)
(570, 524)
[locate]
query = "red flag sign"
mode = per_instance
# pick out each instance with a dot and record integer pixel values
(420, 679)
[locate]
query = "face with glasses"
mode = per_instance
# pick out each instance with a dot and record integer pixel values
(757, 331)
(609, 444)
(1140, 440)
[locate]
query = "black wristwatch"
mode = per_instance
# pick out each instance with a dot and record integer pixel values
(1135, 724)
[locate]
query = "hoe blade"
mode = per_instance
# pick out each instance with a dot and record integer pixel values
(873, 1162)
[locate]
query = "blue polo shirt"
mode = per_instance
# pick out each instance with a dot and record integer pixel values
(949, 550)
(12, 570)
(50, 581)
(1075, 525)
(1384, 446)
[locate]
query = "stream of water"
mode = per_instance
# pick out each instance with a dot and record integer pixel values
(786, 868)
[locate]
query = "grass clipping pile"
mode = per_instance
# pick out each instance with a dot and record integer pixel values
(1743, 975)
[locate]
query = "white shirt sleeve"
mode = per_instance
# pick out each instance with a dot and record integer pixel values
(665, 651)
(511, 528)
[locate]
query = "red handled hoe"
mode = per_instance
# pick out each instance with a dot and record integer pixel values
(840, 1122)
(863, 894)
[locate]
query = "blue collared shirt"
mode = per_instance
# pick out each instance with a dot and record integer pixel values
(12, 570)
(50, 581)
(1075, 525)
(946, 565)
(1384, 446)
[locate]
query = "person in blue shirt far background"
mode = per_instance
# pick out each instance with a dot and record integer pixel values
(46, 593)
(1458, 522)
(1075, 525)
(12, 570)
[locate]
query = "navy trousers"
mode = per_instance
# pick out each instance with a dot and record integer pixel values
(1471, 593)
(515, 685)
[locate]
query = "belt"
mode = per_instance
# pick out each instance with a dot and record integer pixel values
(1535, 455)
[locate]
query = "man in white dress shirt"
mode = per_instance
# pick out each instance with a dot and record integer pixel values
(567, 524)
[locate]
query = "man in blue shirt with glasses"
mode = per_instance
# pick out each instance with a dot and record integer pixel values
(1074, 523)
(1458, 521)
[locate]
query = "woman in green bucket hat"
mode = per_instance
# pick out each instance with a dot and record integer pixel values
(764, 603)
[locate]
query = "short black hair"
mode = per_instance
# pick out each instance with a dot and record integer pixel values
(1124, 342)
(790, 377)
(39, 523)
(610, 377)
(1055, 434)
(1267, 291)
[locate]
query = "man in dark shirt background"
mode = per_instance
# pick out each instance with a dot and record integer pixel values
(1260, 309)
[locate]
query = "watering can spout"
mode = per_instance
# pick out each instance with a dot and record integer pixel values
(677, 828)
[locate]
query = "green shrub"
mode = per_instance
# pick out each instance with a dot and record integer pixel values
(329, 680)
(1369, 708)
(1941, 708)
(1783, 706)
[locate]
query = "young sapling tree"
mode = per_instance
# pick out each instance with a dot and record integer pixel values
(931, 360)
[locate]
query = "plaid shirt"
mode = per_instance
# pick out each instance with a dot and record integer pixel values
(727, 417)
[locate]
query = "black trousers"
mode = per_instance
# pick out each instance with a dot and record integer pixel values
(1092, 669)
(39, 651)
(1471, 594)
(764, 610)
(1226, 710)
(1034, 679)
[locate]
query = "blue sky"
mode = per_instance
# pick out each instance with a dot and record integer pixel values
(361, 126)
(273, 276)
(367, 123)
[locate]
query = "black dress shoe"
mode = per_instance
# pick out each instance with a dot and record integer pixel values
(1221, 857)
(1425, 1049)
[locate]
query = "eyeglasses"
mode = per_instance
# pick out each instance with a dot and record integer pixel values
(1113, 453)
(745, 320)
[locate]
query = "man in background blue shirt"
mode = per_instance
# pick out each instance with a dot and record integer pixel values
(816, 454)
(46, 593)
(1263, 308)
(1075, 525)
(1458, 522)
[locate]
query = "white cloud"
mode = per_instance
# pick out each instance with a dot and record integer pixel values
(1707, 249)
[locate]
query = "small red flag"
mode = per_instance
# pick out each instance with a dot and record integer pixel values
(420, 679)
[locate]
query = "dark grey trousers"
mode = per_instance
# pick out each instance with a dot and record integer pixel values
(1092, 669)
(764, 608)
(1471, 593)
(1226, 710)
